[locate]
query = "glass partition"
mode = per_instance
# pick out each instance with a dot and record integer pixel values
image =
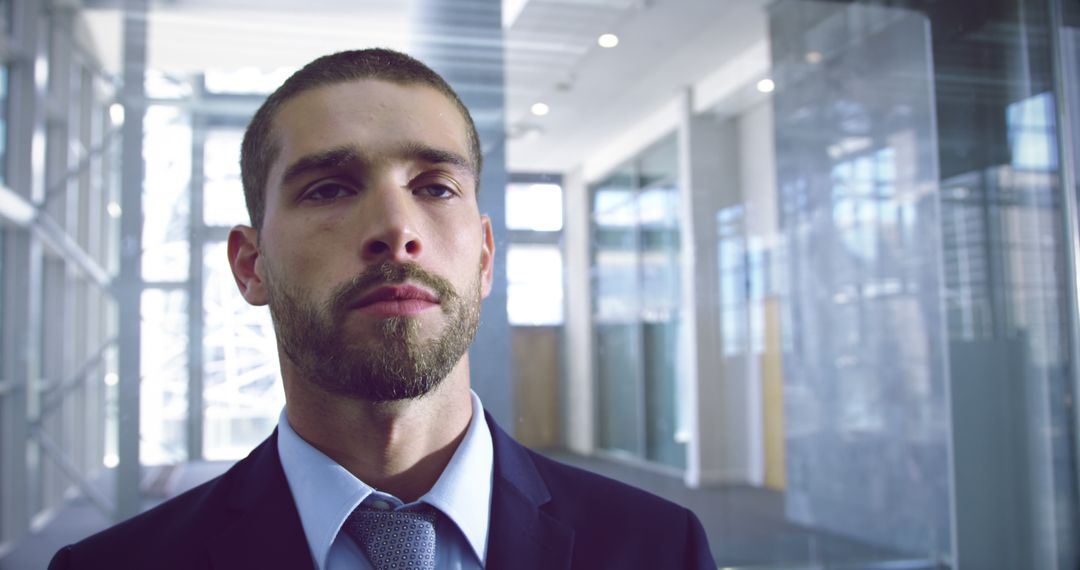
(616, 315)
(925, 379)
(242, 390)
(635, 230)
(884, 279)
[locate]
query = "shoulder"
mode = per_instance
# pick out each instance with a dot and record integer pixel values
(583, 489)
(165, 531)
(617, 520)
(576, 496)
(170, 535)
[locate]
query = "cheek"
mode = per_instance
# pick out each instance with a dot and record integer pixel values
(455, 236)
(464, 252)
(300, 257)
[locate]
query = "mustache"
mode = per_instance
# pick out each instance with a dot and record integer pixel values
(388, 273)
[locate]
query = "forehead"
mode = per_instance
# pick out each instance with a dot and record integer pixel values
(371, 114)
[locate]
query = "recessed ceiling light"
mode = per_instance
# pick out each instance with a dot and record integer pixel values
(766, 85)
(540, 109)
(608, 40)
(814, 57)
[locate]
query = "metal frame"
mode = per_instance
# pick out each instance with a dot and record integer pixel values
(633, 166)
(206, 111)
(1066, 92)
(129, 283)
(196, 319)
(22, 275)
(53, 214)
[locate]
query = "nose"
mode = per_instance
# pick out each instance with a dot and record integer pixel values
(392, 226)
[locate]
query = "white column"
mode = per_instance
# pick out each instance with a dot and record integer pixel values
(724, 392)
(578, 391)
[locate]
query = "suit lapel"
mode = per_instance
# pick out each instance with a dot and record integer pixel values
(266, 532)
(522, 535)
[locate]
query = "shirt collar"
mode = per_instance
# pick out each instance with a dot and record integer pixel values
(325, 493)
(463, 491)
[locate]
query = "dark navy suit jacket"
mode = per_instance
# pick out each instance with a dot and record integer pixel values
(544, 516)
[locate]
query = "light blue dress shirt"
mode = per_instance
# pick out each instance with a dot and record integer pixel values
(326, 494)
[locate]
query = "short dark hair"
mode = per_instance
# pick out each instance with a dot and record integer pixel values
(260, 147)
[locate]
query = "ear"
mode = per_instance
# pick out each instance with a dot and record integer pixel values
(487, 257)
(245, 263)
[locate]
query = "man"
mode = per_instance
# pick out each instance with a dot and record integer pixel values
(367, 243)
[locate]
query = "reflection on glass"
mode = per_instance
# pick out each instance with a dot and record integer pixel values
(616, 290)
(659, 305)
(734, 279)
(863, 208)
(926, 381)
(167, 155)
(866, 444)
(223, 193)
(640, 395)
(242, 383)
(163, 391)
(1030, 123)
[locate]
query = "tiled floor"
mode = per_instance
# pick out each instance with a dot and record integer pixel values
(746, 525)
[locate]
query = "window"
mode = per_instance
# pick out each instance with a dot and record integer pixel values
(534, 263)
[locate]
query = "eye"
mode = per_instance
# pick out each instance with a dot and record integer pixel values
(328, 191)
(440, 191)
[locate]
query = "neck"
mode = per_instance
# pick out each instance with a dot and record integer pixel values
(397, 447)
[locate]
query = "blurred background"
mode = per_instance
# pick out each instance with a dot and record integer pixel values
(808, 267)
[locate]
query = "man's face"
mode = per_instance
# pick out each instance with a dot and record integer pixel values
(373, 255)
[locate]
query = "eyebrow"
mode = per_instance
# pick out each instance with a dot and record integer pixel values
(437, 156)
(332, 158)
(340, 156)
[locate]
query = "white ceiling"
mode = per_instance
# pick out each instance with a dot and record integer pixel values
(195, 35)
(551, 54)
(594, 93)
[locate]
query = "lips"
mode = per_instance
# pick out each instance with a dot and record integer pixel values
(401, 300)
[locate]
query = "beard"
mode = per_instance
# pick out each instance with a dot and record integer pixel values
(387, 362)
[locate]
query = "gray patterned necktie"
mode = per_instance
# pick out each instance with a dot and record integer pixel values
(395, 540)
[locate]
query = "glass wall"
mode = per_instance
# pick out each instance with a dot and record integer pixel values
(883, 304)
(164, 358)
(242, 384)
(534, 264)
(535, 297)
(859, 214)
(231, 373)
(57, 349)
(635, 252)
